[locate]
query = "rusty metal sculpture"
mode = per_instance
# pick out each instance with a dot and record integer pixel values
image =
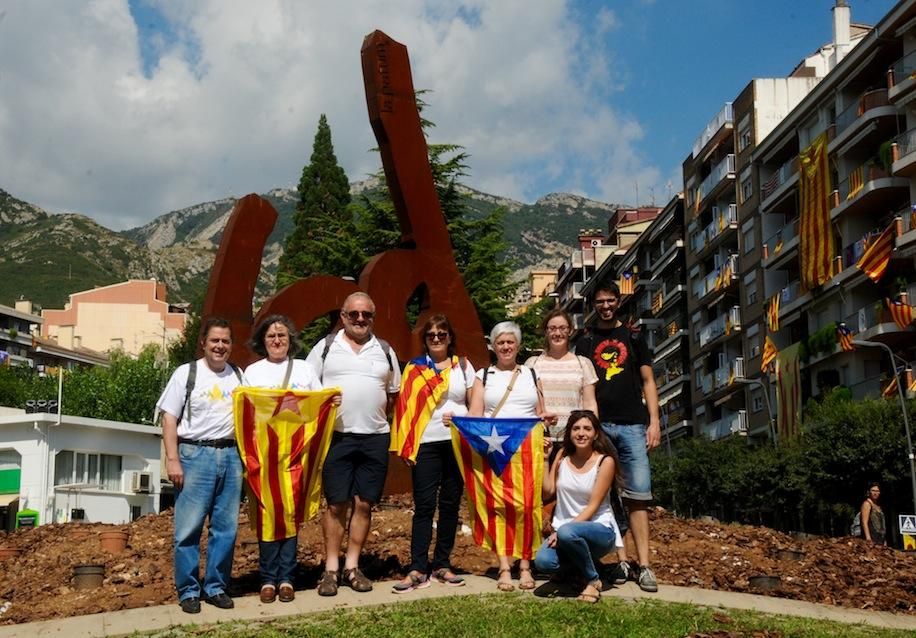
(425, 261)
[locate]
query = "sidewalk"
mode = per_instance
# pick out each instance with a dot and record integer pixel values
(250, 608)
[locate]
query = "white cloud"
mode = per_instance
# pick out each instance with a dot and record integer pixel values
(232, 106)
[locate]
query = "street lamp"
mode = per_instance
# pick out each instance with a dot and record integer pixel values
(906, 418)
(766, 398)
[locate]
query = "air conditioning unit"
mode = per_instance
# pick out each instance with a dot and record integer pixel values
(141, 482)
(596, 242)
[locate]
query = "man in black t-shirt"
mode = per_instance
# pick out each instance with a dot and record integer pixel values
(628, 408)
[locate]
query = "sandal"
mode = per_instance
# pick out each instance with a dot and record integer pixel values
(445, 576)
(327, 584)
(357, 580)
(588, 597)
(502, 585)
(526, 584)
(413, 580)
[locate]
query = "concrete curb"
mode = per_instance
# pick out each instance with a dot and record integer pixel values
(249, 608)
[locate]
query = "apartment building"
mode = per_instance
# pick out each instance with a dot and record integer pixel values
(726, 241)
(863, 113)
(20, 343)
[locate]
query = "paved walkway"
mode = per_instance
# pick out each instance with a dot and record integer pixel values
(120, 623)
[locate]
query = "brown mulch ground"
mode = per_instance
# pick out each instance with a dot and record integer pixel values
(836, 571)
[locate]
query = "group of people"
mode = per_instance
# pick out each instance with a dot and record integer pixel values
(599, 404)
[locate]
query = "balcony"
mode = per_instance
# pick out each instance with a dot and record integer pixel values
(726, 375)
(873, 321)
(723, 325)
(782, 243)
(774, 185)
(726, 426)
(669, 375)
(901, 78)
(869, 188)
(719, 279)
(861, 106)
(659, 259)
(722, 220)
(720, 171)
(571, 292)
(724, 117)
(904, 154)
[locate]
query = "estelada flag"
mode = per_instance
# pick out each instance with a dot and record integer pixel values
(421, 388)
(844, 337)
(901, 312)
(626, 283)
(502, 462)
(283, 438)
(877, 255)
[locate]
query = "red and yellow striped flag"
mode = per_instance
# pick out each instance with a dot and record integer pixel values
(856, 182)
(901, 313)
(773, 313)
(788, 392)
(769, 354)
(283, 437)
(421, 388)
(844, 337)
(877, 255)
(502, 463)
(626, 283)
(889, 390)
(815, 234)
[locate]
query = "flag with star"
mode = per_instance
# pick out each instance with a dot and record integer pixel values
(502, 462)
(283, 438)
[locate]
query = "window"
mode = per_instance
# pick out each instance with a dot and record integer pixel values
(744, 139)
(747, 189)
(748, 240)
(753, 346)
(756, 402)
(750, 291)
(87, 469)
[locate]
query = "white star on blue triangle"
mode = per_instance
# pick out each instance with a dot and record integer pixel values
(496, 440)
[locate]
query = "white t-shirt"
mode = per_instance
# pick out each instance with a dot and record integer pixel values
(267, 374)
(522, 401)
(562, 382)
(211, 402)
(453, 400)
(365, 380)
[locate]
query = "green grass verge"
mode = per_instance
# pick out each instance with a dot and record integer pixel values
(497, 616)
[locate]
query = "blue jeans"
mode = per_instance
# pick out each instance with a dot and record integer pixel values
(212, 487)
(579, 546)
(277, 561)
(635, 476)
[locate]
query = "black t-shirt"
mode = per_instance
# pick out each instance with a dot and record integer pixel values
(617, 355)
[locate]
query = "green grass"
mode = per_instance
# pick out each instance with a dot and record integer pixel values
(497, 616)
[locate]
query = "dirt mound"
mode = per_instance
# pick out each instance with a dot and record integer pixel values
(838, 571)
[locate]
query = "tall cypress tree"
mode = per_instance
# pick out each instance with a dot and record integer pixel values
(323, 240)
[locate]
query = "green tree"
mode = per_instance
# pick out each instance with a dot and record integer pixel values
(184, 348)
(323, 239)
(530, 323)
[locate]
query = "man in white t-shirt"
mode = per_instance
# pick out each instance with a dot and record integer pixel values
(366, 370)
(203, 464)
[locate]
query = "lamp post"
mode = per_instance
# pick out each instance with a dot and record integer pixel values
(766, 398)
(906, 418)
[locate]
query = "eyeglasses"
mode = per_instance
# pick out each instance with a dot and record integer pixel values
(353, 315)
(605, 302)
(558, 329)
(276, 337)
(436, 336)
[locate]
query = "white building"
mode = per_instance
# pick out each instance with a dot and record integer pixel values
(108, 469)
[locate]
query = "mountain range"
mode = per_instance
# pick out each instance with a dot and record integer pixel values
(45, 257)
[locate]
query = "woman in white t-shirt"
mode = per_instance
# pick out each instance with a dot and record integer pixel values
(567, 380)
(492, 397)
(276, 340)
(436, 475)
(584, 527)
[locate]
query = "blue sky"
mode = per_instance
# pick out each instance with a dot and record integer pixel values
(126, 110)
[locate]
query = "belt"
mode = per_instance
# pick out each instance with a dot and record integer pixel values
(208, 442)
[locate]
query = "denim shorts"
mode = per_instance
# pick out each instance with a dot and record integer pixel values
(635, 478)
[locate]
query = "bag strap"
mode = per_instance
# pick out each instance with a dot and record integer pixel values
(289, 372)
(506, 394)
(188, 388)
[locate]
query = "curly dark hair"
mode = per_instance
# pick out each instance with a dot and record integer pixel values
(256, 343)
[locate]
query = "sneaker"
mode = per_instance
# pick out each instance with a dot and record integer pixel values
(646, 579)
(620, 573)
(190, 605)
(220, 600)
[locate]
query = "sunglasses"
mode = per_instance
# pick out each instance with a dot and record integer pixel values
(436, 336)
(354, 315)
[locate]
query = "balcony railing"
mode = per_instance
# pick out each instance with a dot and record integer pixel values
(722, 325)
(722, 220)
(903, 68)
(669, 374)
(723, 117)
(727, 374)
(775, 243)
(717, 279)
(858, 108)
(790, 293)
(718, 173)
(906, 143)
(780, 177)
(850, 187)
(572, 292)
(732, 424)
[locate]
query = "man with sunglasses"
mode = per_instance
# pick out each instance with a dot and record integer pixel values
(365, 369)
(627, 400)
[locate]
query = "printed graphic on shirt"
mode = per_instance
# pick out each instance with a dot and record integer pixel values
(216, 394)
(610, 355)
